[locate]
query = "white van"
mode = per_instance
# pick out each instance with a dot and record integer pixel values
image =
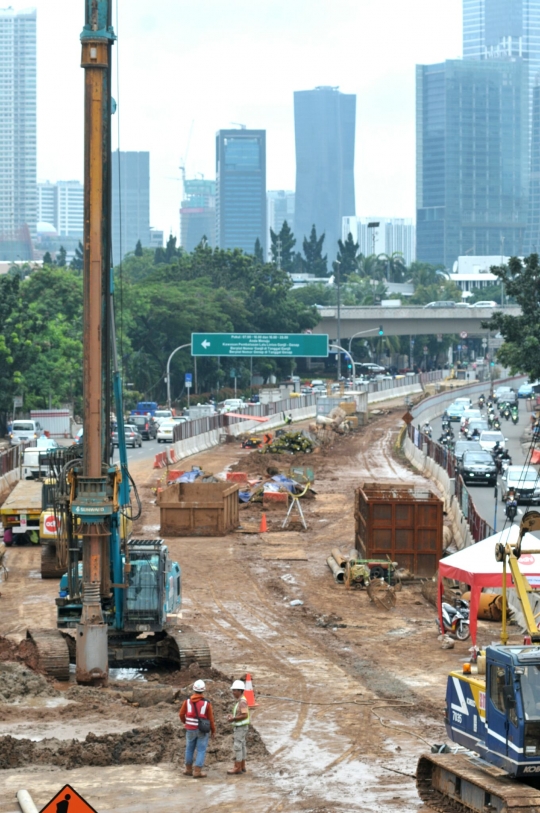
(23, 430)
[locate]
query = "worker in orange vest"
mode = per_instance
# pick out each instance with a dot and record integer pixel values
(198, 718)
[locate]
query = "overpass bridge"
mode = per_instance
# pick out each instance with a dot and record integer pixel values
(407, 321)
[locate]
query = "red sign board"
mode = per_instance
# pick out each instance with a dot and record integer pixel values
(51, 526)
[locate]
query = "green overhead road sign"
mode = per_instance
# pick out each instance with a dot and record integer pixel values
(284, 345)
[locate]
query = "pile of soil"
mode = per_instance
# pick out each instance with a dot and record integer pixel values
(18, 682)
(140, 746)
(25, 652)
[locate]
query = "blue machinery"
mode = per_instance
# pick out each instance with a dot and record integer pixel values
(494, 716)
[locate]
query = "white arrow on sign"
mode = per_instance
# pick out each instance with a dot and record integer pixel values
(205, 343)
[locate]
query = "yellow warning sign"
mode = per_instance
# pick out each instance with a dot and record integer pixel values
(68, 801)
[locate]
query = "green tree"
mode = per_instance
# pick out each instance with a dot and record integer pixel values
(170, 249)
(160, 256)
(47, 259)
(394, 266)
(61, 257)
(348, 257)
(77, 263)
(283, 244)
(138, 249)
(258, 251)
(313, 260)
(521, 348)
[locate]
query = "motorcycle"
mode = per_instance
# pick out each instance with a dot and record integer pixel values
(426, 429)
(481, 401)
(496, 424)
(506, 414)
(501, 460)
(511, 509)
(455, 620)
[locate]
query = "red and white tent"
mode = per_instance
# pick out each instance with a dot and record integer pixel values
(477, 567)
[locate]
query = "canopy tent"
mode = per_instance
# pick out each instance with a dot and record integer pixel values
(477, 567)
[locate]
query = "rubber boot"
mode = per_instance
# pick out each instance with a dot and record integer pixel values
(237, 768)
(198, 773)
(244, 769)
(188, 770)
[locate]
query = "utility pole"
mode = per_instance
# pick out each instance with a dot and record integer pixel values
(337, 269)
(278, 253)
(97, 38)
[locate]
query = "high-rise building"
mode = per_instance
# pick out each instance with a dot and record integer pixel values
(382, 235)
(130, 202)
(279, 208)
(62, 205)
(324, 125)
(503, 28)
(18, 204)
(198, 213)
(241, 189)
(471, 158)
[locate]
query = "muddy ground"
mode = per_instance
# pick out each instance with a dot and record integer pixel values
(349, 695)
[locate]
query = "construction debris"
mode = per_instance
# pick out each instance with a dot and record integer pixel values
(289, 443)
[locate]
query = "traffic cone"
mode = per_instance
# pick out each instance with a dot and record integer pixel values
(263, 526)
(249, 694)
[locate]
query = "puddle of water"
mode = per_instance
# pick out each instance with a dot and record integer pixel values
(34, 574)
(123, 673)
(42, 702)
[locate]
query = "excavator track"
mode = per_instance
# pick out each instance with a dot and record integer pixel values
(191, 648)
(454, 783)
(53, 652)
(49, 564)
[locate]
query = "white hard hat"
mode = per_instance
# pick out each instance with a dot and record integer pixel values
(238, 684)
(199, 686)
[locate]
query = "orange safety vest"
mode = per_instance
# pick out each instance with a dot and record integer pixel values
(192, 722)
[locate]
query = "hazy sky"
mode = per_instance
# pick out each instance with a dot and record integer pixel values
(213, 62)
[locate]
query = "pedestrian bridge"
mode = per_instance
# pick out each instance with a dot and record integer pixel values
(407, 321)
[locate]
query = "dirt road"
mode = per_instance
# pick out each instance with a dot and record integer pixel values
(349, 695)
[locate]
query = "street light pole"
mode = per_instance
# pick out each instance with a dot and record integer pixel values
(182, 347)
(342, 350)
(360, 333)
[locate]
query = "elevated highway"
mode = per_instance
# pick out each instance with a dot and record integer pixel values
(407, 321)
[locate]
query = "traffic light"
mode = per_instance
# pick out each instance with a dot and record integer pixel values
(381, 330)
(349, 366)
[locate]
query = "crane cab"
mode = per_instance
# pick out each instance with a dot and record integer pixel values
(498, 715)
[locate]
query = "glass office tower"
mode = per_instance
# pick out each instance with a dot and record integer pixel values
(472, 159)
(241, 189)
(324, 126)
(130, 202)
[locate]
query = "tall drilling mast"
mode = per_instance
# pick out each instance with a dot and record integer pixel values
(93, 498)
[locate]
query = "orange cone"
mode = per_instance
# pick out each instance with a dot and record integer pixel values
(249, 694)
(263, 526)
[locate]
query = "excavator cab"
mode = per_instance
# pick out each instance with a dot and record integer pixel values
(153, 586)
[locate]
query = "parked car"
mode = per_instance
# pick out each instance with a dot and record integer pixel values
(478, 467)
(441, 304)
(131, 435)
(22, 430)
(146, 426)
(165, 432)
(525, 483)
(485, 303)
(487, 440)
(463, 446)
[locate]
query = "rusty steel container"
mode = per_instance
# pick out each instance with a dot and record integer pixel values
(404, 523)
(198, 509)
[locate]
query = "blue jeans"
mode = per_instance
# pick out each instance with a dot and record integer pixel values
(196, 740)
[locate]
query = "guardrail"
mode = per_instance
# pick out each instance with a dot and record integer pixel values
(480, 529)
(12, 458)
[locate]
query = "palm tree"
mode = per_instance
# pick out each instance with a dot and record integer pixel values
(394, 265)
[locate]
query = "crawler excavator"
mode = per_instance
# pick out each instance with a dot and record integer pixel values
(493, 718)
(119, 597)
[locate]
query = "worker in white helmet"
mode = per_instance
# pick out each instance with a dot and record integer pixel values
(240, 721)
(198, 718)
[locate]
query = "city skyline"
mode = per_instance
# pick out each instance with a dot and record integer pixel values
(322, 43)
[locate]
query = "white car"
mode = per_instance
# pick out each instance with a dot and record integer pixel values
(487, 303)
(466, 401)
(525, 483)
(470, 415)
(232, 405)
(161, 415)
(489, 438)
(22, 430)
(165, 431)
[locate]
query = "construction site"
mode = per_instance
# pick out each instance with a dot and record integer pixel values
(349, 692)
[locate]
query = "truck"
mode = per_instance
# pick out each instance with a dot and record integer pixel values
(145, 408)
(492, 716)
(21, 513)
